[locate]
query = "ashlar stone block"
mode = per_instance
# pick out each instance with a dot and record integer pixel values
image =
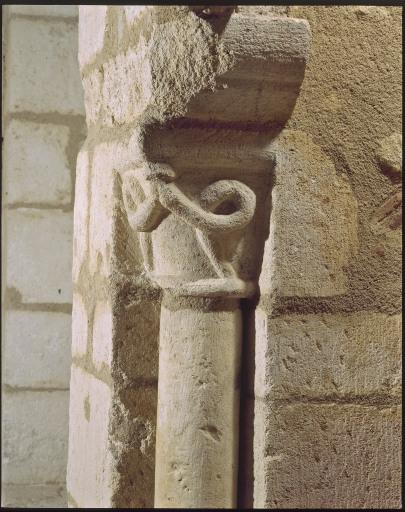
(50, 83)
(39, 255)
(89, 412)
(81, 214)
(68, 11)
(92, 24)
(330, 355)
(37, 349)
(37, 168)
(80, 327)
(102, 334)
(327, 456)
(304, 256)
(35, 433)
(34, 496)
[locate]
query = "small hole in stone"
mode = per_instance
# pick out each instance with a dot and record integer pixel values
(225, 208)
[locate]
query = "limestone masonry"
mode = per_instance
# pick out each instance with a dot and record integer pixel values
(236, 255)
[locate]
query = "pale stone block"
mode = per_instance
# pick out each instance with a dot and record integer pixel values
(92, 24)
(336, 355)
(313, 226)
(101, 211)
(65, 11)
(80, 326)
(132, 12)
(42, 67)
(35, 431)
(90, 465)
(327, 456)
(81, 213)
(37, 349)
(92, 85)
(102, 335)
(127, 86)
(34, 496)
(37, 169)
(39, 255)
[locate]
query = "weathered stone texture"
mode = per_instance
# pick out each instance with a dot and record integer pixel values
(91, 481)
(37, 349)
(329, 356)
(115, 329)
(389, 153)
(92, 24)
(304, 257)
(327, 331)
(44, 126)
(37, 164)
(28, 440)
(54, 86)
(328, 456)
(34, 496)
(348, 114)
(328, 352)
(39, 255)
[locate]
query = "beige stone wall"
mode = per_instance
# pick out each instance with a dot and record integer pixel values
(328, 384)
(321, 361)
(43, 128)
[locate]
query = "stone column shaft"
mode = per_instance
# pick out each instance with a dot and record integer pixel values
(198, 404)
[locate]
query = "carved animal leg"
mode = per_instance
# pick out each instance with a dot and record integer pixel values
(214, 249)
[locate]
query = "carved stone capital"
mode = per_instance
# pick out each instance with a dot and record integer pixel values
(151, 195)
(182, 104)
(194, 202)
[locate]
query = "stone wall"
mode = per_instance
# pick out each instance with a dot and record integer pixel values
(43, 129)
(321, 357)
(320, 424)
(328, 325)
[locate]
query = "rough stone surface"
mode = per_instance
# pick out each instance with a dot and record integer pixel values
(80, 215)
(92, 24)
(34, 496)
(54, 86)
(37, 349)
(389, 153)
(333, 344)
(80, 327)
(39, 255)
(101, 214)
(89, 412)
(335, 356)
(328, 456)
(201, 367)
(102, 334)
(132, 12)
(348, 115)
(69, 11)
(303, 257)
(178, 98)
(37, 164)
(35, 428)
